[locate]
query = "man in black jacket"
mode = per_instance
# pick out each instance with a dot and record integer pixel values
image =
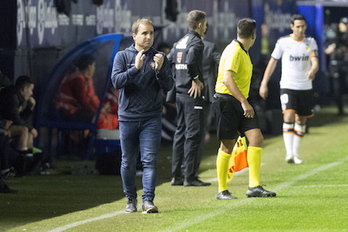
(187, 55)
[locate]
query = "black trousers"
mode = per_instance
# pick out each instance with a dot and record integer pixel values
(188, 137)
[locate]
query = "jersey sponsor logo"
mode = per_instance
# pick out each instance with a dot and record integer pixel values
(180, 66)
(179, 57)
(299, 58)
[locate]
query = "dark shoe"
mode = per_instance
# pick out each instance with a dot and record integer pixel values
(289, 158)
(225, 195)
(8, 190)
(176, 181)
(197, 183)
(259, 191)
(8, 173)
(131, 205)
(5, 189)
(149, 207)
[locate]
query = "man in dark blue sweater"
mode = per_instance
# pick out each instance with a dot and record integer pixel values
(141, 73)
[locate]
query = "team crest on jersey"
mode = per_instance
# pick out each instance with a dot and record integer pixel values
(179, 57)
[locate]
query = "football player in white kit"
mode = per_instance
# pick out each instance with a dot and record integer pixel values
(299, 55)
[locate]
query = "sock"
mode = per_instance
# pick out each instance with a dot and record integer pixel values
(222, 162)
(254, 161)
(288, 136)
(299, 134)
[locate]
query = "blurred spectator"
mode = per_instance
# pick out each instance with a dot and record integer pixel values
(8, 156)
(76, 96)
(4, 81)
(108, 118)
(338, 66)
(211, 59)
(169, 109)
(164, 47)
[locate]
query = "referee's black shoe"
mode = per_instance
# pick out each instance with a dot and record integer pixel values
(225, 195)
(259, 191)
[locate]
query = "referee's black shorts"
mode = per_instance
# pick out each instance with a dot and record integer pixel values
(230, 120)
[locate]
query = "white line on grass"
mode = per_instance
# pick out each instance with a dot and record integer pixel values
(322, 186)
(68, 226)
(311, 173)
(192, 221)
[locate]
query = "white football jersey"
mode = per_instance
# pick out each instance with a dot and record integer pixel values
(296, 61)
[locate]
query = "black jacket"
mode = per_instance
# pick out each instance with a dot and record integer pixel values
(187, 56)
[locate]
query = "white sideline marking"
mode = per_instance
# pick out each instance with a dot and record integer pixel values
(310, 173)
(199, 219)
(68, 226)
(322, 186)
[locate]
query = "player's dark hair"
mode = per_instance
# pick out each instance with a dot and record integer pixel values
(297, 17)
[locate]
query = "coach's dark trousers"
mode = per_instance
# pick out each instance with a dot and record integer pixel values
(188, 137)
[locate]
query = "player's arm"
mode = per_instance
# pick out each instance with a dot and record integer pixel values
(234, 90)
(314, 66)
(272, 64)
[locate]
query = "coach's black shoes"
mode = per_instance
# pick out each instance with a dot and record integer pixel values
(225, 195)
(131, 205)
(177, 181)
(149, 207)
(197, 183)
(259, 191)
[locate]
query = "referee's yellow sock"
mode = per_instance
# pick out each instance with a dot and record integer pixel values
(254, 162)
(222, 162)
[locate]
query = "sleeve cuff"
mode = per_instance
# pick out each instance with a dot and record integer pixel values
(133, 71)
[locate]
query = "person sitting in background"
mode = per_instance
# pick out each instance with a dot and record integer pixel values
(76, 96)
(17, 105)
(338, 52)
(108, 118)
(7, 155)
(4, 81)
